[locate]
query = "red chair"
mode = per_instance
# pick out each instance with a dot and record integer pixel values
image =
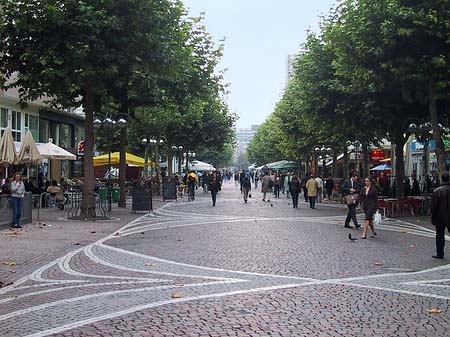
(416, 205)
(405, 204)
(384, 206)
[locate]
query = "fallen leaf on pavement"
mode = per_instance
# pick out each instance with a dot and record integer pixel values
(5, 283)
(76, 244)
(150, 264)
(435, 311)
(116, 234)
(13, 271)
(378, 263)
(179, 285)
(412, 245)
(403, 231)
(175, 295)
(93, 232)
(9, 263)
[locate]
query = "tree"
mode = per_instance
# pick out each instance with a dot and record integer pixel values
(71, 51)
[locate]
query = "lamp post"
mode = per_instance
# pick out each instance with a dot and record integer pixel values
(147, 142)
(354, 146)
(178, 151)
(323, 152)
(188, 156)
(108, 123)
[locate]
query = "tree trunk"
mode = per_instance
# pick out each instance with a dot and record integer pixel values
(345, 160)
(437, 133)
(122, 168)
(169, 160)
(88, 202)
(334, 165)
(157, 167)
(399, 162)
(365, 150)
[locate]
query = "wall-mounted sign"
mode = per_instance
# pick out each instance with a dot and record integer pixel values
(80, 148)
(377, 154)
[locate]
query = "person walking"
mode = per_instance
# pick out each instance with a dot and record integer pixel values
(369, 201)
(305, 190)
(266, 186)
(246, 187)
(17, 194)
(294, 189)
(312, 189)
(319, 189)
(351, 187)
(192, 181)
(329, 187)
(215, 183)
(440, 213)
(277, 185)
(256, 179)
(287, 182)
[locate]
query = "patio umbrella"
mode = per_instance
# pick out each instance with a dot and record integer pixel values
(28, 153)
(8, 153)
(53, 151)
(382, 167)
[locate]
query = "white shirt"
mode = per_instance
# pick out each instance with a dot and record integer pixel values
(319, 182)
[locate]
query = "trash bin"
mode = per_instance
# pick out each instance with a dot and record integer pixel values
(116, 194)
(103, 193)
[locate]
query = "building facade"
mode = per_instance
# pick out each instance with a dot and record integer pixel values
(243, 138)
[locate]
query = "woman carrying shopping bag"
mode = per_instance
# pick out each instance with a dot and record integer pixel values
(369, 198)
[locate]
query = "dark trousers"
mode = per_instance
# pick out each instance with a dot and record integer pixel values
(246, 191)
(440, 241)
(305, 193)
(312, 202)
(17, 210)
(351, 215)
(295, 199)
(214, 196)
(276, 191)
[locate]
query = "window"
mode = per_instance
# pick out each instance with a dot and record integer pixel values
(65, 136)
(43, 131)
(16, 125)
(3, 118)
(32, 124)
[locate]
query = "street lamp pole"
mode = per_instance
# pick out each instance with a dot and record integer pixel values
(323, 151)
(355, 146)
(109, 123)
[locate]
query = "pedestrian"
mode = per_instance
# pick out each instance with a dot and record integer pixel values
(287, 182)
(192, 181)
(215, 183)
(312, 190)
(369, 201)
(242, 175)
(266, 186)
(329, 186)
(319, 189)
(256, 179)
(246, 187)
(277, 185)
(294, 189)
(17, 194)
(351, 187)
(440, 213)
(236, 178)
(305, 190)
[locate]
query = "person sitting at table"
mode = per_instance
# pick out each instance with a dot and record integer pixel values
(56, 191)
(369, 200)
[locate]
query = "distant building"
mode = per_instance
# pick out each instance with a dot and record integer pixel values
(243, 138)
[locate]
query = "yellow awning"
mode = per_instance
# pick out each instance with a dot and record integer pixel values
(131, 159)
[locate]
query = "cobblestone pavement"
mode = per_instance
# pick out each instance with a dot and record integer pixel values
(236, 269)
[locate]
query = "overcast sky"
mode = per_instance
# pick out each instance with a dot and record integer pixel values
(259, 34)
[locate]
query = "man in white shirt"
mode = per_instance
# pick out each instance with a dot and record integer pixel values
(319, 189)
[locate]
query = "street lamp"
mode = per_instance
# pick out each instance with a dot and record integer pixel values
(354, 146)
(109, 123)
(179, 154)
(188, 156)
(323, 152)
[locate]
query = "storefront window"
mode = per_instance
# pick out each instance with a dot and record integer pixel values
(3, 118)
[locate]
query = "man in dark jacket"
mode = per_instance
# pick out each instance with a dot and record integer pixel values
(440, 213)
(349, 187)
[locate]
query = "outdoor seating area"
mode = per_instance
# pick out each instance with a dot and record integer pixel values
(408, 206)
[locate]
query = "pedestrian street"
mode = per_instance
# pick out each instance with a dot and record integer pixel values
(261, 268)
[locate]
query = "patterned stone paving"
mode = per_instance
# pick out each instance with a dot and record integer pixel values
(256, 269)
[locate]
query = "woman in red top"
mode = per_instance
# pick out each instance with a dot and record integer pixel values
(369, 199)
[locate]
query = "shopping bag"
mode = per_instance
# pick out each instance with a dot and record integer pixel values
(377, 219)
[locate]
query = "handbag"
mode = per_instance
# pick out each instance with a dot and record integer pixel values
(352, 199)
(249, 195)
(377, 219)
